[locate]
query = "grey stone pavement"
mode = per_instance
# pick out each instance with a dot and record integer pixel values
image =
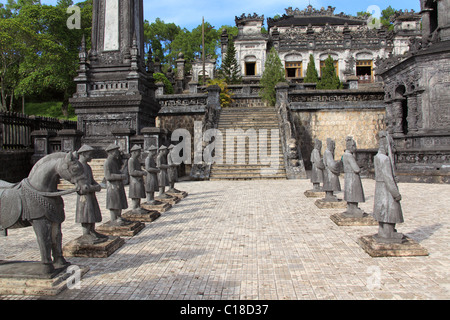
(261, 240)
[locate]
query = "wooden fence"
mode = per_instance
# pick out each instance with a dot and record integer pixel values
(16, 129)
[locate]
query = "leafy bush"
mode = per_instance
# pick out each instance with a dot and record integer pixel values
(160, 77)
(225, 94)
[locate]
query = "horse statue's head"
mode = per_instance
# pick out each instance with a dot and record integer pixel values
(71, 169)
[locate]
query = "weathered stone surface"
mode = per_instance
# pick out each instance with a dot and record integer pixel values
(170, 200)
(322, 204)
(341, 219)
(128, 230)
(142, 215)
(179, 195)
(26, 278)
(77, 248)
(314, 194)
(158, 206)
(408, 248)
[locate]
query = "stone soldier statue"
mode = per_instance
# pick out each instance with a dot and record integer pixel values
(172, 171)
(353, 190)
(116, 199)
(317, 165)
(331, 173)
(161, 164)
(151, 184)
(387, 209)
(136, 187)
(88, 211)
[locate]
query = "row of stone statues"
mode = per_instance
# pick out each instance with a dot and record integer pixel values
(158, 173)
(387, 209)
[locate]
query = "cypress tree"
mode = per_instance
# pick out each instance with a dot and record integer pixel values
(311, 71)
(329, 78)
(273, 74)
(230, 68)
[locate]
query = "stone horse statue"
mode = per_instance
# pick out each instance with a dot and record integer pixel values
(36, 202)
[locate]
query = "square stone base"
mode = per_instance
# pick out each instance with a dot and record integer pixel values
(159, 206)
(322, 204)
(142, 216)
(179, 195)
(75, 248)
(314, 194)
(343, 220)
(172, 200)
(24, 278)
(408, 248)
(129, 230)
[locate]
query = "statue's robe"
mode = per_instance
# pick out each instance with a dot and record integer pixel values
(385, 208)
(353, 189)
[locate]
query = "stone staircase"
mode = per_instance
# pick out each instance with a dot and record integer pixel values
(252, 168)
(97, 172)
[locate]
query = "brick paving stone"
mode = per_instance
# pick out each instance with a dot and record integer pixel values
(259, 240)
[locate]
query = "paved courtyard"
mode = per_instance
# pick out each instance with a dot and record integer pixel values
(259, 240)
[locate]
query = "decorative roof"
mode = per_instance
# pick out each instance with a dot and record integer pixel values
(250, 17)
(310, 15)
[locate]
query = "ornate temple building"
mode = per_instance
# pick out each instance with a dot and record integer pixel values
(353, 43)
(417, 98)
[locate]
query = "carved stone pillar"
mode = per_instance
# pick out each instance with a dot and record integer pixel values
(412, 112)
(389, 120)
(397, 116)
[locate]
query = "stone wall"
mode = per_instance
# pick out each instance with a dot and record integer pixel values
(362, 124)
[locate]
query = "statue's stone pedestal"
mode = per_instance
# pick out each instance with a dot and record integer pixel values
(26, 278)
(77, 248)
(314, 194)
(141, 215)
(408, 248)
(324, 204)
(172, 200)
(178, 194)
(157, 206)
(128, 230)
(341, 219)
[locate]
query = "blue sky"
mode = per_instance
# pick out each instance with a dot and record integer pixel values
(188, 13)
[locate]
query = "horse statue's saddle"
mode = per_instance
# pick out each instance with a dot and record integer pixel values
(10, 204)
(20, 203)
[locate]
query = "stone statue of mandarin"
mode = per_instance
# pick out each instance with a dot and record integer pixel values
(151, 184)
(172, 171)
(136, 186)
(317, 165)
(331, 173)
(353, 190)
(387, 209)
(88, 211)
(116, 199)
(161, 164)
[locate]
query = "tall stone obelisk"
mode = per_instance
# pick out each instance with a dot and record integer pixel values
(114, 90)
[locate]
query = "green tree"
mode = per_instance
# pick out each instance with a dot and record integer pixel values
(159, 36)
(190, 44)
(329, 79)
(45, 50)
(272, 75)
(311, 71)
(230, 69)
